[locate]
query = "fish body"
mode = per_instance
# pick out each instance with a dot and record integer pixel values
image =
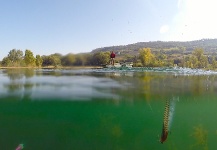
(165, 128)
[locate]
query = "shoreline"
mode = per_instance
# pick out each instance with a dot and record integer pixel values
(53, 67)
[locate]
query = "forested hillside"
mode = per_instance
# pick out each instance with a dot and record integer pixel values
(208, 45)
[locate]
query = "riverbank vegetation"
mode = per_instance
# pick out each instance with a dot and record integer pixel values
(155, 56)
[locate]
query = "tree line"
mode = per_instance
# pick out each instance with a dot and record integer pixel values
(197, 59)
(18, 58)
(145, 58)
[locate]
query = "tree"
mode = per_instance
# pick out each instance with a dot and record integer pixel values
(68, 60)
(213, 62)
(58, 55)
(201, 60)
(160, 59)
(29, 58)
(81, 59)
(183, 55)
(46, 61)
(198, 52)
(86, 59)
(100, 58)
(16, 57)
(38, 61)
(129, 58)
(56, 59)
(146, 57)
(51, 60)
(6, 62)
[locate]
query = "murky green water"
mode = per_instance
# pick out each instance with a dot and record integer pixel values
(107, 109)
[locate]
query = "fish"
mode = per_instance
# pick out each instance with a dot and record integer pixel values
(165, 128)
(168, 117)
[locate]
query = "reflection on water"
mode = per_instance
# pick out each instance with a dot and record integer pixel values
(34, 85)
(91, 84)
(107, 108)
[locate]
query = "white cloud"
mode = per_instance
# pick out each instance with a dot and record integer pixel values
(164, 29)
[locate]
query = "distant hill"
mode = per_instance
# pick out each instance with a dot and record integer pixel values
(168, 47)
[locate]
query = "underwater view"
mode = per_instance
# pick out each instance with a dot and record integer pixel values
(118, 109)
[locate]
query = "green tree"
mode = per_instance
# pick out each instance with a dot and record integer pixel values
(46, 61)
(56, 59)
(29, 58)
(203, 62)
(194, 63)
(6, 62)
(137, 62)
(214, 62)
(51, 60)
(81, 59)
(87, 59)
(200, 60)
(16, 57)
(129, 58)
(146, 57)
(160, 59)
(68, 60)
(183, 49)
(100, 58)
(58, 55)
(38, 61)
(198, 52)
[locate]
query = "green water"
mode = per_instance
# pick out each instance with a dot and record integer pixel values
(106, 109)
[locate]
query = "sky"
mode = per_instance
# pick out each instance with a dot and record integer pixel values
(74, 26)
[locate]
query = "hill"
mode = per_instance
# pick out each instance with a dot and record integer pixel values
(167, 47)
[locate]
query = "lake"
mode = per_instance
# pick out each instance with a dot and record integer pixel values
(107, 109)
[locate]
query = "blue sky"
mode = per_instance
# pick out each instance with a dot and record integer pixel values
(73, 26)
